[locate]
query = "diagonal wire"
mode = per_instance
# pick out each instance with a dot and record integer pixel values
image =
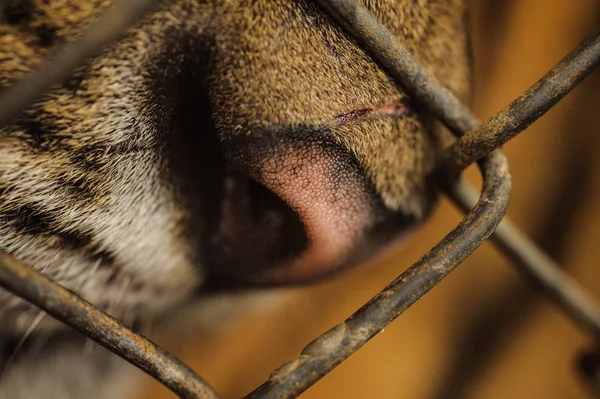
(525, 110)
(328, 350)
(68, 307)
(399, 63)
(402, 292)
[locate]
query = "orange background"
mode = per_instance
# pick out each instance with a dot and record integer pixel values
(483, 332)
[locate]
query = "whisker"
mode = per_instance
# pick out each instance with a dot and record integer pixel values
(51, 260)
(32, 327)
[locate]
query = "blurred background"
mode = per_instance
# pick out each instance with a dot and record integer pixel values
(483, 332)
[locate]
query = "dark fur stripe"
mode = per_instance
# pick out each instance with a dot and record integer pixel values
(32, 221)
(39, 130)
(17, 11)
(21, 13)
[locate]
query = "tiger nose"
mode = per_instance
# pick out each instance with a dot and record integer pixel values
(325, 188)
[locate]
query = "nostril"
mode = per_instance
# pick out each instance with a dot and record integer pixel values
(311, 207)
(256, 229)
(299, 206)
(326, 188)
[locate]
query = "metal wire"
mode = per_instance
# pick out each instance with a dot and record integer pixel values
(385, 48)
(79, 314)
(526, 109)
(296, 376)
(330, 349)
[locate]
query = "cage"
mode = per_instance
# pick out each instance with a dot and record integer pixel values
(476, 142)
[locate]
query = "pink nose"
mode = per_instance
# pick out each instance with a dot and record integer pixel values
(331, 200)
(301, 208)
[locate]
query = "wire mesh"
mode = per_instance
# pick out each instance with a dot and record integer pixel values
(476, 142)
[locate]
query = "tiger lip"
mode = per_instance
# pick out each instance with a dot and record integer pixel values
(394, 109)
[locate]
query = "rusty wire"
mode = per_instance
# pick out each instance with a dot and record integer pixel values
(539, 268)
(79, 314)
(525, 110)
(330, 349)
(388, 50)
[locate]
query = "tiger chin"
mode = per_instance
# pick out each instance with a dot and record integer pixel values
(218, 147)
